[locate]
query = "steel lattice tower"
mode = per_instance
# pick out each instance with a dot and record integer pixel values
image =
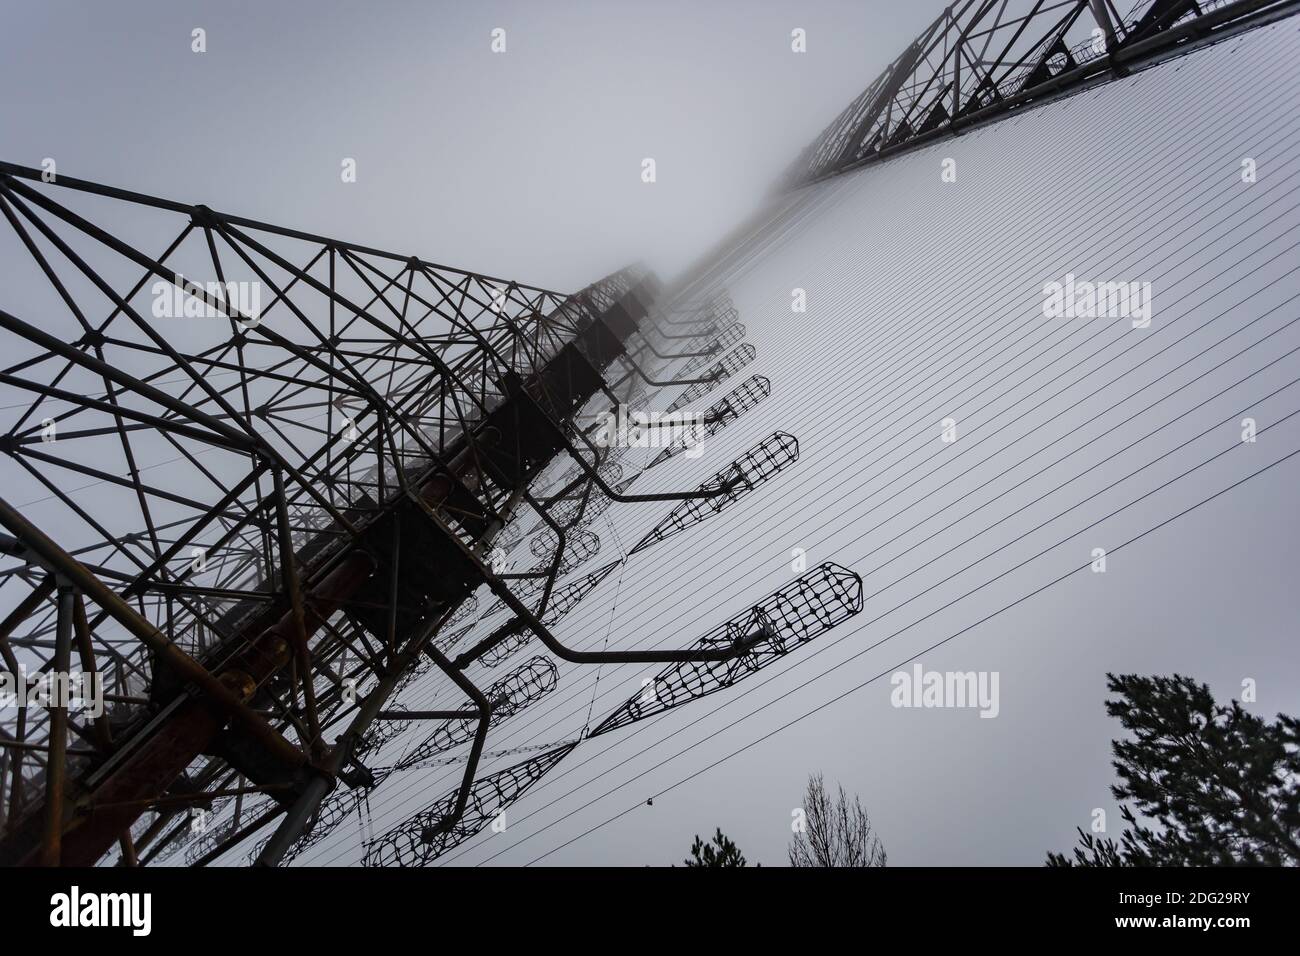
(298, 501)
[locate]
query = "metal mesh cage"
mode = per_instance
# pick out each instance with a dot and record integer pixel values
(420, 840)
(796, 614)
(727, 366)
(721, 414)
(741, 477)
(523, 686)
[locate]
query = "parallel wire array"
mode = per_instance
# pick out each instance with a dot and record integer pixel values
(538, 675)
(521, 688)
(209, 836)
(579, 546)
(734, 334)
(252, 554)
(259, 451)
(423, 839)
(563, 600)
(1227, 307)
(334, 809)
(583, 504)
(419, 841)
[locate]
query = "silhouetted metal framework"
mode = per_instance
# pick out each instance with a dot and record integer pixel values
(609, 469)
(579, 503)
(581, 545)
(426, 836)
(982, 58)
(719, 372)
(719, 415)
(794, 615)
(208, 837)
(563, 600)
(333, 810)
(717, 320)
(258, 518)
(734, 334)
(521, 688)
(742, 476)
(799, 612)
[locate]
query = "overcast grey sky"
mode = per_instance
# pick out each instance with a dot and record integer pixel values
(524, 164)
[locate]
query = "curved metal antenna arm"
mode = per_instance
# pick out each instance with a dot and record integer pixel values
(613, 495)
(480, 735)
(679, 355)
(530, 620)
(650, 381)
(672, 337)
(534, 624)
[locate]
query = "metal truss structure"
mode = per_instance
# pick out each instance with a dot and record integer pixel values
(523, 686)
(563, 600)
(256, 516)
(258, 483)
(742, 476)
(781, 622)
(981, 59)
(719, 372)
(425, 837)
(721, 414)
(732, 335)
(580, 546)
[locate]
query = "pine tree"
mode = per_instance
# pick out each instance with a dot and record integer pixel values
(720, 852)
(1210, 785)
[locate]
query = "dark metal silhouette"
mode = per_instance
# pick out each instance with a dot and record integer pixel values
(295, 497)
(742, 476)
(733, 335)
(563, 600)
(799, 612)
(427, 835)
(521, 688)
(727, 366)
(721, 414)
(981, 59)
